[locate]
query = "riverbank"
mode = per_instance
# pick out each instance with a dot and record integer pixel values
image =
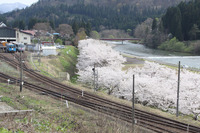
(163, 57)
(135, 60)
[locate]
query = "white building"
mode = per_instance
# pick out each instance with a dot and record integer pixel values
(14, 35)
(22, 37)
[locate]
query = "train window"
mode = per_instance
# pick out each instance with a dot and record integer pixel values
(25, 38)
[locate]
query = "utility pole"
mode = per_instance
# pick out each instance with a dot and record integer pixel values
(177, 106)
(133, 105)
(21, 71)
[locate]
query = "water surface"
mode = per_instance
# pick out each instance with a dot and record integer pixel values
(168, 57)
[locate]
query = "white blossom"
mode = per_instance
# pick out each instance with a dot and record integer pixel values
(155, 84)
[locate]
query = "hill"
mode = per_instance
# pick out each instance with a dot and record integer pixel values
(10, 7)
(109, 14)
(115, 3)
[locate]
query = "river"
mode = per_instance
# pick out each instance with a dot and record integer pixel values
(158, 55)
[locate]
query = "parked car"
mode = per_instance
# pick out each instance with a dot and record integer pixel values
(60, 46)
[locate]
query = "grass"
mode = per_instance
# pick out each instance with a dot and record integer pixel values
(7, 100)
(65, 61)
(127, 66)
(51, 115)
(5, 68)
(68, 59)
(3, 130)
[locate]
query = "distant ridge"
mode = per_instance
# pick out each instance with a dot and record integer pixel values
(96, 14)
(7, 7)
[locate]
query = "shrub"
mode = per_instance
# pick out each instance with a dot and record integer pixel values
(174, 45)
(196, 47)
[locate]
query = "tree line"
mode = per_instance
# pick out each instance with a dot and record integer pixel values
(183, 21)
(177, 30)
(125, 17)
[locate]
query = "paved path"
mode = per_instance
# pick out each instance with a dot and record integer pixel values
(4, 107)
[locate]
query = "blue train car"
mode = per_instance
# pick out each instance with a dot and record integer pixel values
(10, 48)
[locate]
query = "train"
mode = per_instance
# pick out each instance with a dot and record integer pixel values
(20, 47)
(11, 47)
(3, 46)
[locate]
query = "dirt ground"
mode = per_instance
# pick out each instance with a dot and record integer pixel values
(132, 60)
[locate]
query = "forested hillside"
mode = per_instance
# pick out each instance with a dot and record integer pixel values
(109, 14)
(183, 21)
(116, 3)
(177, 30)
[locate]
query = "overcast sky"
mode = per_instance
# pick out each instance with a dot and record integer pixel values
(26, 2)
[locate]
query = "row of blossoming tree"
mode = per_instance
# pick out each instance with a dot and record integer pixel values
(155, 84)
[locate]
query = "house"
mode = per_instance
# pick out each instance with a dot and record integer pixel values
(2, 24)
(23, 37)
(32, 32)
(14, 35)
(7, 34)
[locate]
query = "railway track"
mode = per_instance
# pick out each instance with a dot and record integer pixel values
(148, 120)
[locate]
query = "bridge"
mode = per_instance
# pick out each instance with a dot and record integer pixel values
(119, 39)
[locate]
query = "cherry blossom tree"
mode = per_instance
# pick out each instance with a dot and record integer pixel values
(155, 85)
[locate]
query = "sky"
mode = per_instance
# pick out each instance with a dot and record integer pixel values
(26, 2)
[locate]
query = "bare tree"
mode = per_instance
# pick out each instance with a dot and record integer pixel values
(65, 30)
(143, 29)
(42, 26)
(114, 33)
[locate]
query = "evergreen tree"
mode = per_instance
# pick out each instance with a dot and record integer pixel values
(3, 19)
(172, 22)
(32, 22)
(154, 24)
(52, 24)
(178, 25)
(123, 17)
(88, 29)
(21, 25)
(183, 21)
(75, 27)
(193, 32)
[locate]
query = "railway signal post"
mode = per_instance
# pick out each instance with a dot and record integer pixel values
(95, 81)
(177, 106)
(8, 81)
